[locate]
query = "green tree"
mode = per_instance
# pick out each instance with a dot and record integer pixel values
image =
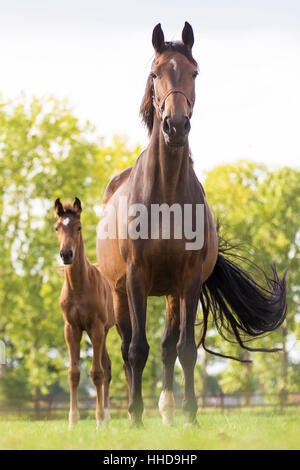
(260, 208)
(45, 153)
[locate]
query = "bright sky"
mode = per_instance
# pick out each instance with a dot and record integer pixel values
(98, 54)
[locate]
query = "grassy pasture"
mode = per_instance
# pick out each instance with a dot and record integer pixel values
(233, 430)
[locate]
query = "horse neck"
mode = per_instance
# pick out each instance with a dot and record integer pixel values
(76, 274)
(167, 167)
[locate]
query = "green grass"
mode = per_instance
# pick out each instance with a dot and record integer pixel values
(233, 430)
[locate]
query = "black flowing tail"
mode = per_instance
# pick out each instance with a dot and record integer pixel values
(239, 305)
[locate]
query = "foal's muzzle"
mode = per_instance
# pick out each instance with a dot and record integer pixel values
(176, 130)
(67, 256)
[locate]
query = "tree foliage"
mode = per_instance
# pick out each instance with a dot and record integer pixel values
(45, 153)
(258, 208)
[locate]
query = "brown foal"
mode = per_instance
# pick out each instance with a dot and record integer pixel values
(86, 304)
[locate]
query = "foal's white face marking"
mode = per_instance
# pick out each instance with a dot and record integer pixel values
(173, 62)
(66, 221)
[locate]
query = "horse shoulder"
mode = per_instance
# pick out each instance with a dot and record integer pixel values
(115, 183)
(103, 295)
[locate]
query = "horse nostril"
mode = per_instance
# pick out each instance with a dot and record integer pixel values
(166, 126)
(187, 125)
(66, 255)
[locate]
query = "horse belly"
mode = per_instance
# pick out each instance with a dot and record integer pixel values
(164, 284)
(170, 273)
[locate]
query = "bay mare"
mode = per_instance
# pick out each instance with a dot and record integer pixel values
(138, 268)
(86, 304)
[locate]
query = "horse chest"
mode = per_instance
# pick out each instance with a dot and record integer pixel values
(80, 312)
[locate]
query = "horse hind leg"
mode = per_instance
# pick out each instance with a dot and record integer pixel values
(96, 335)
(187, 349)
(166, 402)
(107, 379)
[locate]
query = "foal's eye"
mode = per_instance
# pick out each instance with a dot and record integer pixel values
(79, 228)
(56, 229)
(195, 74)
(153, 75)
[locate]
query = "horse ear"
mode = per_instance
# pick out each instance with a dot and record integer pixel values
(188, 35)
(58, 208)
(158, 39)
(77, 205)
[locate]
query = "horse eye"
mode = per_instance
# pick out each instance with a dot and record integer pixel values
(153, 75)
(56, 229)
(79, 228)
(195, 75)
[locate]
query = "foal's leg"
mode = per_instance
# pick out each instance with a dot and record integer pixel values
(166, 402)
(187, 349)
(97, 335)
(123, 323)
(73, 338)
(139, 348)
(107, 378)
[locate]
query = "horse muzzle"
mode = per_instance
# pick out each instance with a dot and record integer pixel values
(67, 256)
(176, 130)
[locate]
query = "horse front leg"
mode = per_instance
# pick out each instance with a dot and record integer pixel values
(187, 349)
(139, 347)
(73, 338)
(166, 402)
(97, 337)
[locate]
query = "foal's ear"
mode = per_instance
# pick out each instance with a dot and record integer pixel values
(158, 38)
(77, 205)
(58, 208)
(188, 35)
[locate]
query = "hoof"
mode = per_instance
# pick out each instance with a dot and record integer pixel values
(72, 425)
(187, 425)
(191, 424)
(102, 422)
(106, 415)
(135, 423)
(73, 419)
(166, 407)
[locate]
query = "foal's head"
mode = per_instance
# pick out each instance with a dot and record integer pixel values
(170, 90)
(68, 227)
